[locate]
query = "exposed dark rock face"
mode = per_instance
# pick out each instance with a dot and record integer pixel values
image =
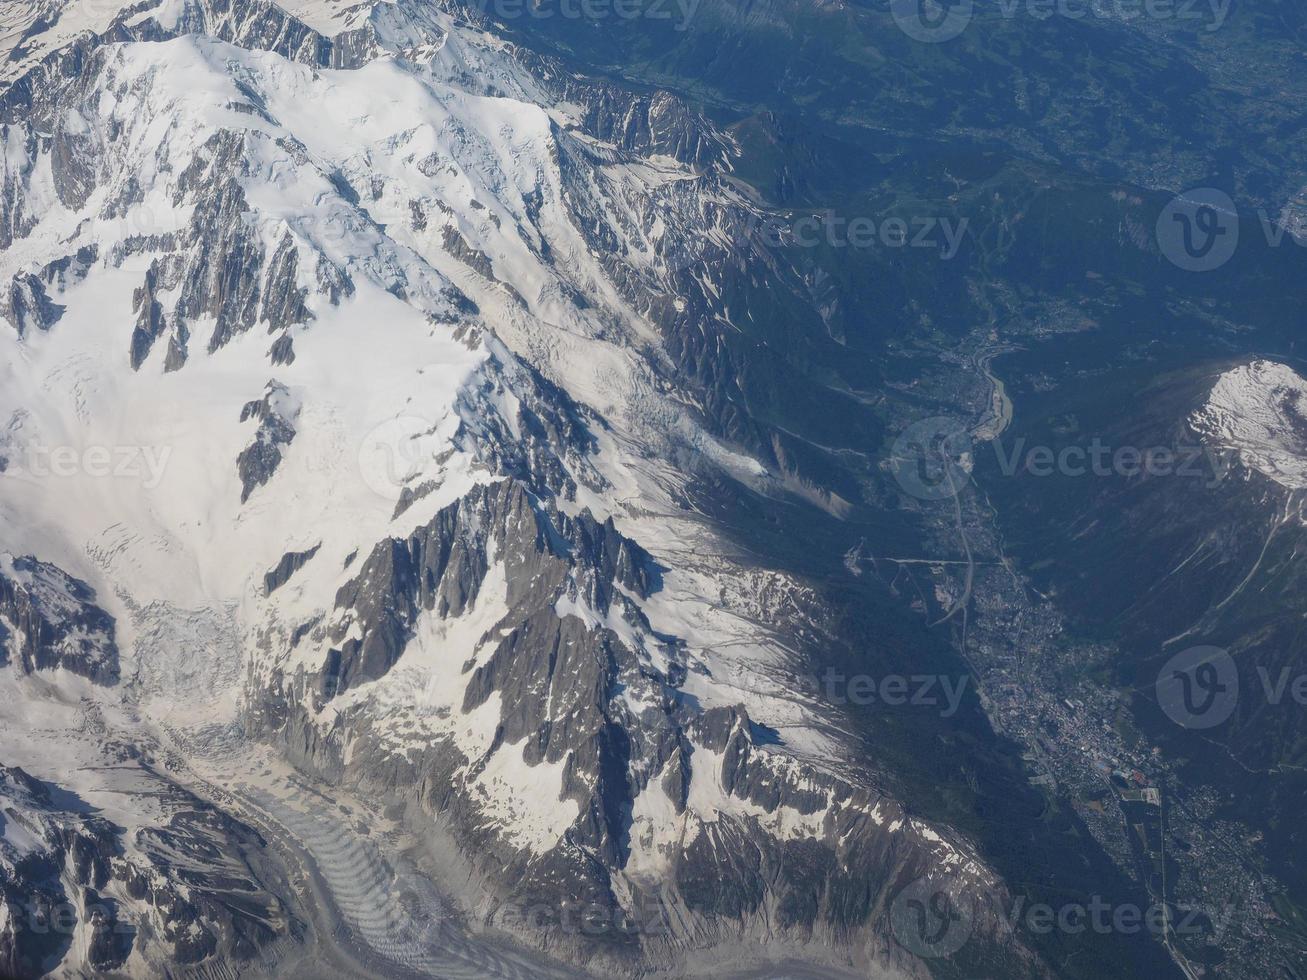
(149, 317)
(572, 686)
(110, 940)
(283, 297)
(282, 350)
(641, 123)
(290, 563)
(16, 217)
(261, 25)
(276, 412)
(218, 283)
(583, 686)
(49, 620)
(71, 269)
(475, 259)
(541, 662)
(552, 438)
(218, 267)
(440, 568)
(209, 912)
(27, 892)
(177, 349)
(27, 307)
(190, 894)
(63, 853)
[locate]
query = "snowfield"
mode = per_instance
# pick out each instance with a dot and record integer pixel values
(1259, 410)
(332, 360)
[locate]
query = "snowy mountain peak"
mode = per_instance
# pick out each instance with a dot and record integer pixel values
(1259, 410)
(382, 327)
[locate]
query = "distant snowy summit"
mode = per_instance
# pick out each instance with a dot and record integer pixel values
(1259, 410)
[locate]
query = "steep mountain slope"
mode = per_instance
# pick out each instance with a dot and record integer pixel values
(1256, 411)
(1204, 555)
(340, 372)
(424, 444)
(1061, 136)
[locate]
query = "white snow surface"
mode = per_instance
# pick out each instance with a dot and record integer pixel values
(467, 140)
(1259, 410)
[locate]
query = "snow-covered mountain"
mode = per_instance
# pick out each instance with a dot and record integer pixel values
(1259, 411)
(345, 414)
